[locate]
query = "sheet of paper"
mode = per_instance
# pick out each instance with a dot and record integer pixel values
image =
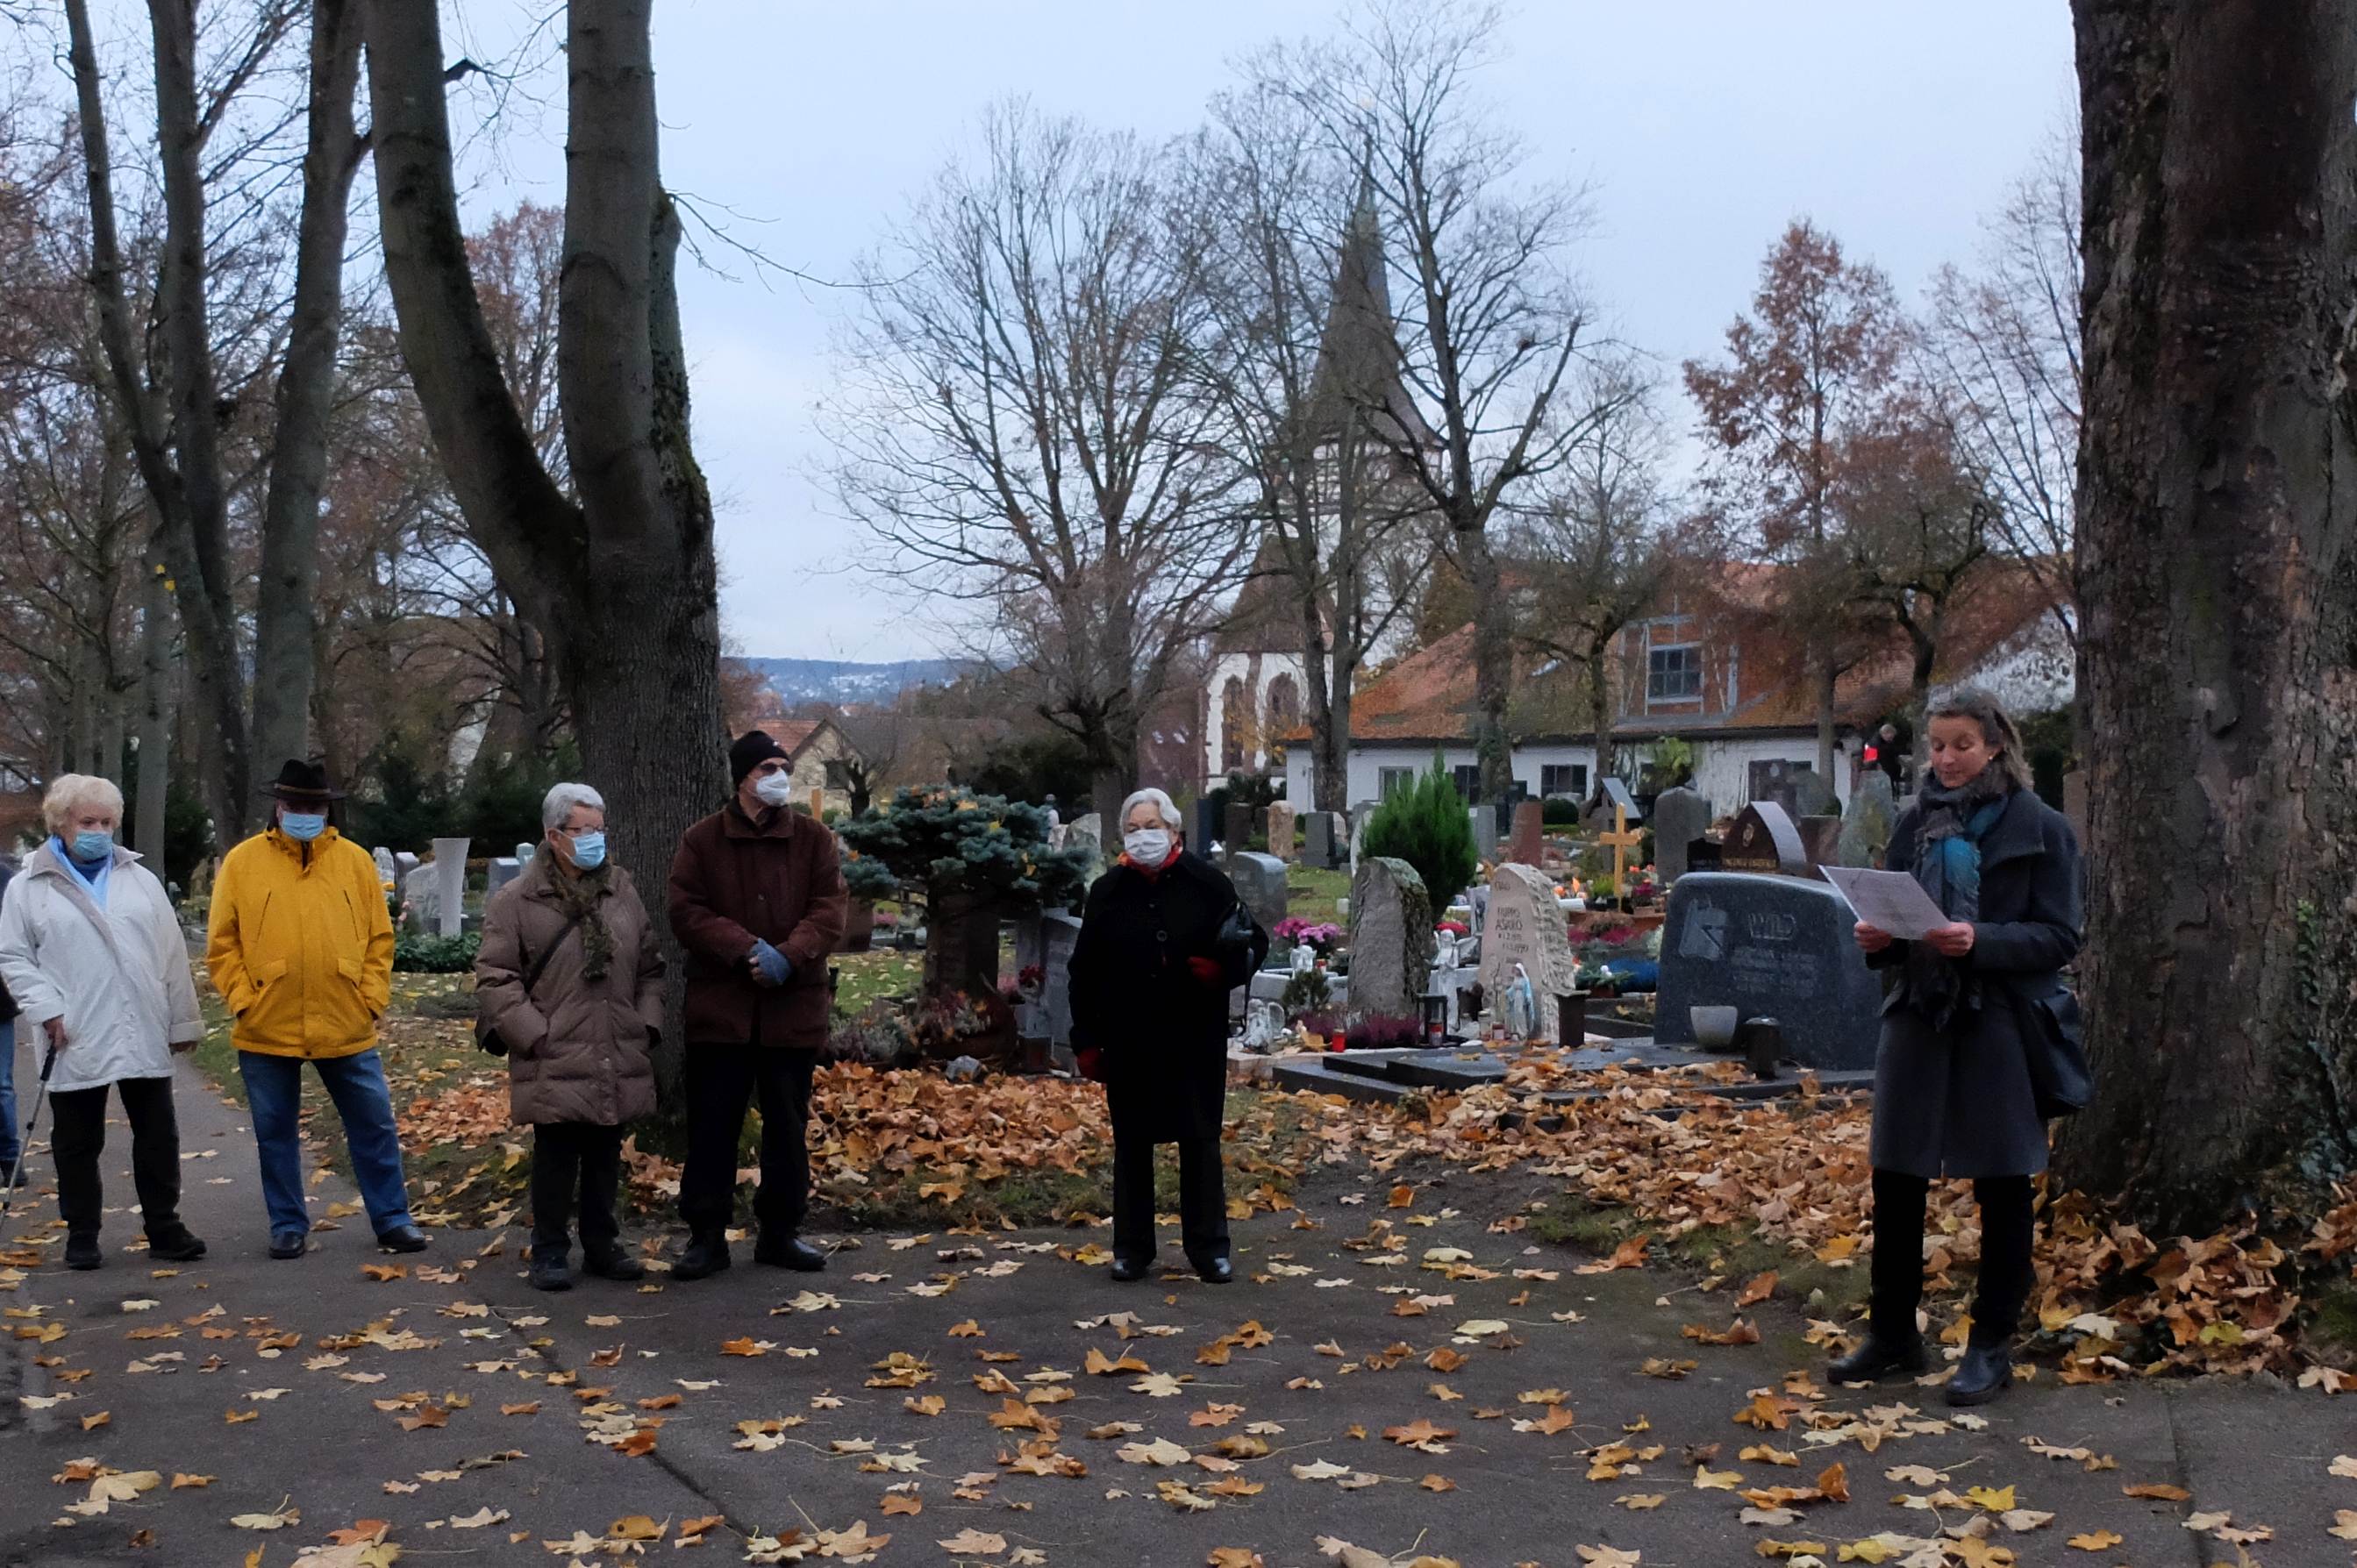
(1890, 900)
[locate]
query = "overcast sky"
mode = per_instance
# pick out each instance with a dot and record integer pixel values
(1705, 126)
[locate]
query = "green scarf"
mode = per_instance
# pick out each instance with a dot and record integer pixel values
(578, 893)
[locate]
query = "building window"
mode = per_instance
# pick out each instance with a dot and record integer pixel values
(1390, 782)
(1235, 724)
(838, 774)
(1284, 715)
(1563, 779)
(1674, 674)
(1469, 779)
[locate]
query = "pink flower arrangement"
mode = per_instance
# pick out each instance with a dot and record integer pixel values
(1320, 935)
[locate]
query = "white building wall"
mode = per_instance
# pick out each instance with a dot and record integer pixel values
(1367, 762)
(1722, 766)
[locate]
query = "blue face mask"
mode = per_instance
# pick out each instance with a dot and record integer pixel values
(302, 826)
(92, 844)
(589, 851)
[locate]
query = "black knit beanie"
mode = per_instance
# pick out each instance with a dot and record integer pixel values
(752, 748)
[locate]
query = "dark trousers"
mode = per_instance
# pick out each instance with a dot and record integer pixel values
(1202, 1199)
(721, 1083)
(2007, 1227)
(569, 1157)
(78, 1136)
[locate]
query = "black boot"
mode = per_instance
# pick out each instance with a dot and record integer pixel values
(82, 1250)
(1126, 1269)
(1876, 1359)
(1985, 1372)
(174, 1243)
(707, 1253)
(1215, 1271)
(549, 1270)
(788, 1252)
(609, 1261)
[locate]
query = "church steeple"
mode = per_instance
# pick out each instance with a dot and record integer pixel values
(1358, 352)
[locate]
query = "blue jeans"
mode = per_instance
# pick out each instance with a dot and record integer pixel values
(9, 1131)
(274, 1093)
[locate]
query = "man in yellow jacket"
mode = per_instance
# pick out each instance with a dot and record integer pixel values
(301, 949)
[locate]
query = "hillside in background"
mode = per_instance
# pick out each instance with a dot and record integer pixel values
(834, 681)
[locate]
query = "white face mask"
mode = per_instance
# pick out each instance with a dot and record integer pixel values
(774, 789)
(1146, 846)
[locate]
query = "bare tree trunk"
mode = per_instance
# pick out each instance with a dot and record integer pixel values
(1599, 709)
(1494, 665)
(2221, 599)
(623, 585)
(1828, 683)
(191, 526)
(285, 662)
(156, 697)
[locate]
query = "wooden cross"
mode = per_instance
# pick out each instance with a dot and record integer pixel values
(1621, 839)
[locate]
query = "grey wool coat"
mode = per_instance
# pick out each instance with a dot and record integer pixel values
(1960, 1104)
(578, 1049)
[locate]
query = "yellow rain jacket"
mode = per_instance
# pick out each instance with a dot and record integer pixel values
(301, 945)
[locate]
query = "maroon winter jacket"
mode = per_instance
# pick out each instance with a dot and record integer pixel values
(780, 881)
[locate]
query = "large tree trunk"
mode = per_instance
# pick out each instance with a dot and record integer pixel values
(155, 695)
(623, 585)
(1494, 665)
(2216, 573)
(1828, 686)
(1599, 709)
(283, 646)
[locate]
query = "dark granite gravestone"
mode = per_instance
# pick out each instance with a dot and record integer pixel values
(1235, 833)
(1703, 854)
(1260, 883)
(1680, 816)
(1046, 941)
(1813, 796)
(1206, 829)
(1319, 840)
(1528, 840)
(1764, 839)
(1775, 947)
(1611, 790)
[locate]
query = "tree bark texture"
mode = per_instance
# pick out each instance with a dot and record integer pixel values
(1494, 664)
(2220, 601)
(156, 700)
(623, 584)
(285, 654)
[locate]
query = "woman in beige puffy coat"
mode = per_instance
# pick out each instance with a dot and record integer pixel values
(570, 977)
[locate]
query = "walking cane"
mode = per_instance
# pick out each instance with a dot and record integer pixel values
(24, 1145)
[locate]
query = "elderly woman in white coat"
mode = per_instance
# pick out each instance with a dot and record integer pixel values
(93, 955)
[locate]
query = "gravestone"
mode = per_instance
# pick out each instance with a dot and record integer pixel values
(450, 885)
(1046, 943)
(1778, 783)
(858, 927)
(503, 869)
(1680, 816)
(1529, 842)
(1865, 826)
(1763, 840)
(1360, 815)
(1087, 834)
(1812, 795)
(524, 851)
(1280, 830)
(1526, 926)
(387, 873)
(1206, 829)
(1235, 833)
(1318, 840)
(1260, 883)
(1775, 947)
(1391, 938)
(403, 862)
(1820, 840)
(1485, 833)
(421, 906)
(1611, 790)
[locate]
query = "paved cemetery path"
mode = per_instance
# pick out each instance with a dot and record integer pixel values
(872, 1388)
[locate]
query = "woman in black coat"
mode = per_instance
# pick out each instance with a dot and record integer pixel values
(1162, 942)
(1963, 1032)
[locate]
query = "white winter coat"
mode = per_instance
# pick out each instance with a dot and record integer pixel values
(118, 976)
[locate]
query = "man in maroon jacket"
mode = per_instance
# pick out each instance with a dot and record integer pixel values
(757, 900)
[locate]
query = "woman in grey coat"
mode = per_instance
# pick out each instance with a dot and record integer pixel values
(1953, 1090)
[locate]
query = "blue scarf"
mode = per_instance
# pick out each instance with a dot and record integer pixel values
(1948, 865)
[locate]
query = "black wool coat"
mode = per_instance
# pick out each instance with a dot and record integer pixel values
(1163, 1031)
(1958, 1102)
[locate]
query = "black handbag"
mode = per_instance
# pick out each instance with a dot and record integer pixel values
(2055, 1045)
(1241, 945)
(486, 1035)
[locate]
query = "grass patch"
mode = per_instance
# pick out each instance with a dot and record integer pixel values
(875, 976)
(1310, 893)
